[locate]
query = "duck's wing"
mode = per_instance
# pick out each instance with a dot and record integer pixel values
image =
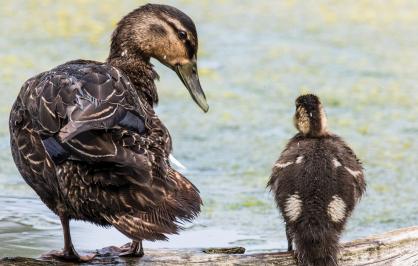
(72, 105)
(284, 177)
(349, 167)
(283, 170)
(80, 96)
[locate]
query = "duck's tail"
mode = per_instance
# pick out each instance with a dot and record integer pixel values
(149, 226)
(181, 204)
(316, 244)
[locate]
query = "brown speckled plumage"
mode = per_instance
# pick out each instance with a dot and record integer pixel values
(85, 137)
(316, 182)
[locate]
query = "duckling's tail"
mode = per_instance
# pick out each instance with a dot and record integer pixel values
(316, 244)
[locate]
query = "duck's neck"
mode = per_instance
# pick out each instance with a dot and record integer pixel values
(311, 124)
(140, 71)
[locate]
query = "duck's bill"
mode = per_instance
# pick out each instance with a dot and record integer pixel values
(190, 78)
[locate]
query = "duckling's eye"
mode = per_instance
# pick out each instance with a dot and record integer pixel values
(182, 35)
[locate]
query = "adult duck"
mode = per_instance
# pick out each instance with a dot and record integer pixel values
(85, 137)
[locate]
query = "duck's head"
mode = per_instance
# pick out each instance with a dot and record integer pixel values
(310, 118)
(166, 34)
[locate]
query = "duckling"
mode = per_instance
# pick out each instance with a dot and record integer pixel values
(85, 136)
(316, 182)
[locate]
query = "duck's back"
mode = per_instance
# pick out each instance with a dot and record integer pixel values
(313, 175)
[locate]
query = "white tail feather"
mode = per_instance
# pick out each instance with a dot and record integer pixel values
(176, 162)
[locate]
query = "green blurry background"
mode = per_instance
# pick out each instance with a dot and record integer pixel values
(255, 58)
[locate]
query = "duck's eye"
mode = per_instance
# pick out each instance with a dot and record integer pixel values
(182, 35)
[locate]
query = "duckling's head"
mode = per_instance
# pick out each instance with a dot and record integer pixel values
(166, 34)
(310, 118)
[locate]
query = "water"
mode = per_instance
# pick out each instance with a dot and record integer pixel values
(255, 58)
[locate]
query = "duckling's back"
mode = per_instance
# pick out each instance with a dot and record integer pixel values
(316, 183)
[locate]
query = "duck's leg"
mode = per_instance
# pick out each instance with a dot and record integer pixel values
(289, 238)
(134, 250)
(68, 253)
(141, 249)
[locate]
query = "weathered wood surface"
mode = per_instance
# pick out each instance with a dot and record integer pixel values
(398, 247)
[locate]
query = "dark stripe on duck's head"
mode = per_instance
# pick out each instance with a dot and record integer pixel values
(183, 26)
(191, 49)
(310, 118)
(185, 29)
(157, 29)
(175, 13)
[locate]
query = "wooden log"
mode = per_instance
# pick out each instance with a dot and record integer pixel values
(399, 247)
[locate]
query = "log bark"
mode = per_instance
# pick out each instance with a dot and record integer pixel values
(399, 247)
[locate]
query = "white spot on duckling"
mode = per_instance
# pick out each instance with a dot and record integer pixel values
(299, 159)
(336, 209)
(282, 165)
(124, 53)
(293, 207)
(336, 163)
(353, 172)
